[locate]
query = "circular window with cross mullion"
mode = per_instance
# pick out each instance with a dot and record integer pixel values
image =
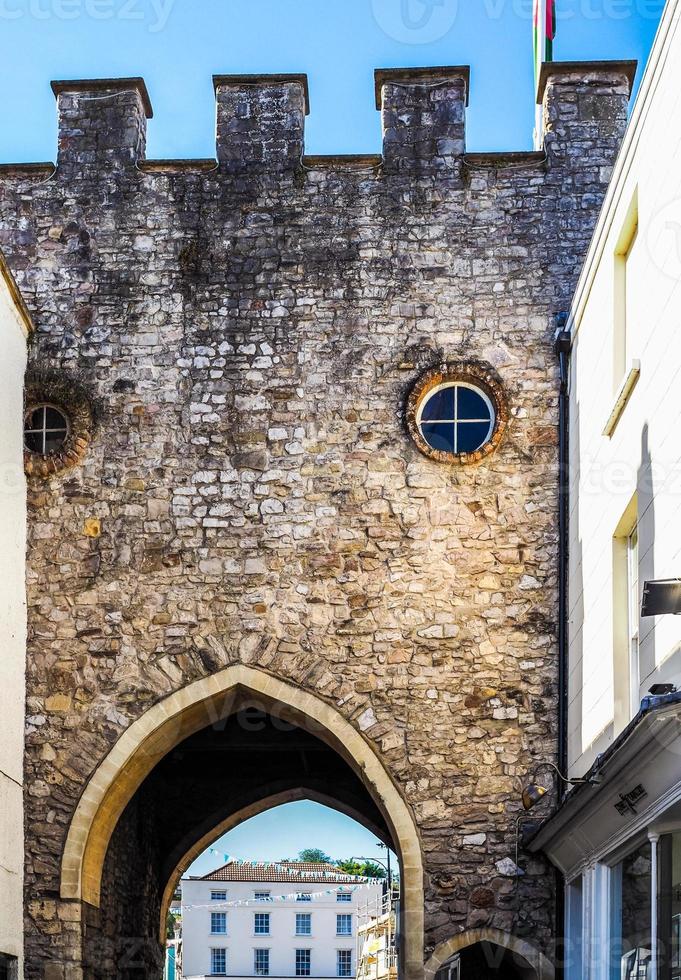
(456, 417)
(46, 429)
(457, 412)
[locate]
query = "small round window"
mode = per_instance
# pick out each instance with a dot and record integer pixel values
(46, 429)
(456, 417)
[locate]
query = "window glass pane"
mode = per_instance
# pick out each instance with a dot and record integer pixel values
(261, 962)
(344, 897)
(35, 419)
(54, 419)
(218, 896)
(344, 925)
(669, 908)
(630, 916)
(470, 404)
(302, 962)
(439, 435)
(218, 922)
(303, 923)
(471, 435)
(34, 442)
(218, 961)
(304, 897)
(262, 923)
(440, 405)
(344, 963)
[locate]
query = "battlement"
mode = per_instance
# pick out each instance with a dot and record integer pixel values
(260, 121)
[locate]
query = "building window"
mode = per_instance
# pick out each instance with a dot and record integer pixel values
(574, 930)
(261, 923)
(456, 418)
(303, 962)
(303, 897)
(218, 923)
(218, 896)
(630, 911)
(344, 925)
(343, 896)
(261, 962)
(343, 963)
(263, 896)
(218, 962)
(303, 924)
(457, 413)
(46, 429)
(626, 255)
(626, 616)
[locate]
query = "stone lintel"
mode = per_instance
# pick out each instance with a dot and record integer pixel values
(553, 69)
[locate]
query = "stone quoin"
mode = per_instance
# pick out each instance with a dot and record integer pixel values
(241, 336)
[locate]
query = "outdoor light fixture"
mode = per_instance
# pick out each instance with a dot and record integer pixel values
(659, 690)
(534, 792)
(661, 597)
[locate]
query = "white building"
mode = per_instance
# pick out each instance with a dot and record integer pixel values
(617, 838)
(289, 919)
(15, 326)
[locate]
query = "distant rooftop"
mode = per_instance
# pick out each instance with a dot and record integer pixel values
(296, 872)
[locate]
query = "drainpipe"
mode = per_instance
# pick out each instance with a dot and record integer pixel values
(562, 347)
(563, 352)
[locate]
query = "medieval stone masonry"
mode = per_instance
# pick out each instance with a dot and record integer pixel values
(234, 343)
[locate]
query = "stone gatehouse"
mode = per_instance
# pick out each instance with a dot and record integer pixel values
(242, 514)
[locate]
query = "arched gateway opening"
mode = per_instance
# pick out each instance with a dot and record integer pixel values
(487, 954)
(196, 764)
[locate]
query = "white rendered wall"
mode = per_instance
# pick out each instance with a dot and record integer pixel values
(12, 619)
(642, 458)
(240, 940)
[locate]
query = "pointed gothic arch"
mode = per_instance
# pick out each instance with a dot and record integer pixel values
(187, 711)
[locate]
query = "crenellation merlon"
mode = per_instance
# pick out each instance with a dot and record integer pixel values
(102, 122)
(423, 118)
(585, 108)
(260, 122)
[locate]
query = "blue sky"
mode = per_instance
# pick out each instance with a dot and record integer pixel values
(178, 44)
(285, 830)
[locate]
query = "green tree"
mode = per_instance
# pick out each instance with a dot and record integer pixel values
(314, 855)
(367, 869)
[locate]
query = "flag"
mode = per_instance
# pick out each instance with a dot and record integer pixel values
(544, 29)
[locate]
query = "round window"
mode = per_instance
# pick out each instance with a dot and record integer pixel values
(457, 412)
(456, 417)
(46, 429)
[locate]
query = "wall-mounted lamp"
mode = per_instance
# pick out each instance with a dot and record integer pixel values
(534, 792)
(661, 597)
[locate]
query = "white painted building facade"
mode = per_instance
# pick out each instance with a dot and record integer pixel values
(617, 839)
(15, 326)
(235, 922)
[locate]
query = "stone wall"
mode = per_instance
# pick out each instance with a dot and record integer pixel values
(246, 333)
